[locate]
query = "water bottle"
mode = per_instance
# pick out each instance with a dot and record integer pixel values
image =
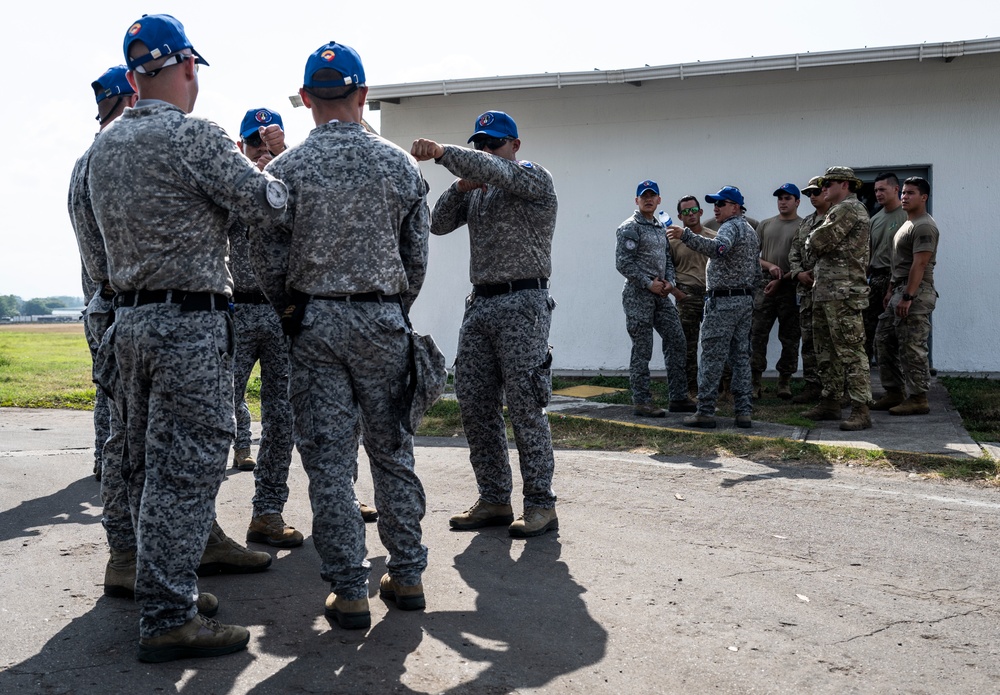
(664, 218)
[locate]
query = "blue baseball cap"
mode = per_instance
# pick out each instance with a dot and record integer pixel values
(334, 56)
(256, 118)
(111, 84)
(162, 35)
(647, 185)
(728, 193)
(495, 124)
(790, 189)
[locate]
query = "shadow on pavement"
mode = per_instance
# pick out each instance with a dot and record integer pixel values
(77, 503)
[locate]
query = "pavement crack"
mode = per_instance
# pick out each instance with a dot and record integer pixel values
(894, 623)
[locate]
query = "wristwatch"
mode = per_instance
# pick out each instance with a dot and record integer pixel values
(908, 297)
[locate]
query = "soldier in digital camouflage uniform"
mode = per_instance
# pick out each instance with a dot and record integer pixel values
(840, 295)
(259, 337)
(642, 255)
(510, 208)
(905, 325)
(732, 274)
(114, 94)
(689, 266)
(351, 265)
(800, 271)
(172, 338)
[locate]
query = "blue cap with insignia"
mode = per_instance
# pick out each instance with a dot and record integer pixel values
(728, 193)
(162, 34)
(256, 118)
(334, 56)
(495, 124)
(647, 185)
(789, 188)
(111, 84)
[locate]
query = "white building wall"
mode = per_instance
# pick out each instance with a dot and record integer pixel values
(752, 130)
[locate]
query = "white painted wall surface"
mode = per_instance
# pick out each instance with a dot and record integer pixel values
(755, 131)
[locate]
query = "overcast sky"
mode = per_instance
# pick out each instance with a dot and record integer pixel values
(257, 52)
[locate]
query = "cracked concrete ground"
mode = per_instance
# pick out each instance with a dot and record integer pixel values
(668, 575)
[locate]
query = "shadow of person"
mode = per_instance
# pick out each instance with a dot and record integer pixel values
(820, 471)
(74, 504)
(530, 624)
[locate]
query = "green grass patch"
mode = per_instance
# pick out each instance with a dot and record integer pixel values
(45, 369)
(978, 402)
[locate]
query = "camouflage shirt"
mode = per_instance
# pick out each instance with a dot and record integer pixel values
(799, 259)
(642, 253)
(239, 259)
(85, 227)
(732, 255)
(163, 184)
(360, 222)
(511, 223)
(840, 246)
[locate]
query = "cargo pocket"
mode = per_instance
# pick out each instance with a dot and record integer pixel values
(540, 378)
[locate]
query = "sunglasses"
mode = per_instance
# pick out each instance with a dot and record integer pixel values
(689, 211)
(827, 183)
(723, 203)
(253, 140)
(175, 59)
(490, 143)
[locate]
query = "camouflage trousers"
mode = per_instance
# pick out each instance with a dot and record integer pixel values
(725, 336)
(644, 313)
(176, 371)
(259, 337)
(352, 360)
(503, 354)
(839, 337)
(102, 411)
(878, 283)
(766, 311)
(902, 353)
(116, 517)
(690, 311)
(810, 371)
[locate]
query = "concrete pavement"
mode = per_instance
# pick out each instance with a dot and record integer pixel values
(668, 575)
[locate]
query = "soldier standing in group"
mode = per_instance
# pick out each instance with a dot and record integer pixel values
(800, 272)
(905, 326)
(884, 223)
(344, 277)
(642, 255)
(840, 295)
(172, 335)
(732, 273)
(689, 265)
(503, 347)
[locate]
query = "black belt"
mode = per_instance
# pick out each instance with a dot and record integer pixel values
(249, 298)
(742, 292)
(880, 272)
(189, 301)
(363, 297)
(512, 286)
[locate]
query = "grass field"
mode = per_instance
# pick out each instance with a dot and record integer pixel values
(48, 366)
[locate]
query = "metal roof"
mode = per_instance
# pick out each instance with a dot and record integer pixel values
(946, 51)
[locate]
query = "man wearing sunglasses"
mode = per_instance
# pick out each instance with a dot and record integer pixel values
(840, 246)
(262, 136)
(731, 276)
(157, 181)
(510, 207)
(800, 272)
(642, 255)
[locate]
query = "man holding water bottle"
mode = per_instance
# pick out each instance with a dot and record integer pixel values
(643, 257)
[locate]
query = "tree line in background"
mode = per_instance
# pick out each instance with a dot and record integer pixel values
(12, 305)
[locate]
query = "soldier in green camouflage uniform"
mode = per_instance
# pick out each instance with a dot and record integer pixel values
(800, 271)
(510, 208)
(160, 181)
(840, 295)
(344, 275)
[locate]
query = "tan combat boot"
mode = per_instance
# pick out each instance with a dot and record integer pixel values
(785, 386)
(243, 460)
(119, 575)
(368, 513)
(810, 394)
(272, 529)
(350, 615)
(828, 409)
(914, 405)
(891, 399)
(756, 391)
(407, 598)
(199, 637)
(860, 419)
(534, 522)
(223, 555)
(208, 604)
(482, 514)
(649, 410)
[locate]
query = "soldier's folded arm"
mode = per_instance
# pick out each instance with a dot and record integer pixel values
(523, 179)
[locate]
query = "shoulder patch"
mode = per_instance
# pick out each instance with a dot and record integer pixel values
(630, 244)
(722, 249)
(526, 164)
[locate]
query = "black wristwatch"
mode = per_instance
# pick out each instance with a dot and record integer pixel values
(908, 297)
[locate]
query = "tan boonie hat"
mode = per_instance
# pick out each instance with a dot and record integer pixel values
(842, 174)
(815, 184)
